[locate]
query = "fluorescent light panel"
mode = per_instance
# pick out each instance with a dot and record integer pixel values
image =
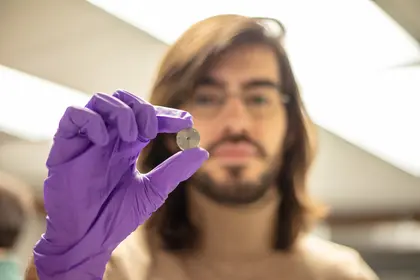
(31, 107)
(379, 113)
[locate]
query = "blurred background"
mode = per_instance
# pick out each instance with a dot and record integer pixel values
(357, 62)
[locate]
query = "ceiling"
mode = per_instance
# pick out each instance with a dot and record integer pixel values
(78, 45)
(405, 12)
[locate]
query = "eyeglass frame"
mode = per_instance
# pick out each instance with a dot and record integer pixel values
(283, 98)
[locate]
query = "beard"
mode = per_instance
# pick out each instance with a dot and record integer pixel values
(236, 192)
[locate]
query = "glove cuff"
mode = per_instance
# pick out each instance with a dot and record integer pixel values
(77, 262)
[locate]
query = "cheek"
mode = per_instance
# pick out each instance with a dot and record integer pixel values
(272, 135)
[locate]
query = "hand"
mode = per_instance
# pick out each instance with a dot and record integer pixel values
(94, 195)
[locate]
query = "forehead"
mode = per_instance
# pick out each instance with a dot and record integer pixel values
(244, 63)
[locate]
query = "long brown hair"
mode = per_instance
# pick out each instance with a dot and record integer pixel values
(184, 64)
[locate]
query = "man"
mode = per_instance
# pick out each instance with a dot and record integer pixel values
(245, 214)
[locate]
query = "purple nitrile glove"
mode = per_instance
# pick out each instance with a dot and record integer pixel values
(94, 195)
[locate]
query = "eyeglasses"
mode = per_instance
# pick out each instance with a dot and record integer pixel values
(209, 103)
(273, 27)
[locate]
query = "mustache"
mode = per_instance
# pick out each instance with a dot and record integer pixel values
(238, 138)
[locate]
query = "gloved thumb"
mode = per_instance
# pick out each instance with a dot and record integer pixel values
(179, 167)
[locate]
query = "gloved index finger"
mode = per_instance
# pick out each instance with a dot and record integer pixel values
(172, 120)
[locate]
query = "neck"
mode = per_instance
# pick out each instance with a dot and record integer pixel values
(234, 232)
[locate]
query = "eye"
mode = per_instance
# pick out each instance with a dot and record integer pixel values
(258, 99)
(206, 99)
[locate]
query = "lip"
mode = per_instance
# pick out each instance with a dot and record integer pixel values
(235, 151)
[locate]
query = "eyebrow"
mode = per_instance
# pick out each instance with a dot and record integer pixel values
(250, 84)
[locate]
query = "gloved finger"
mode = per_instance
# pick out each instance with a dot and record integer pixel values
(77, 130)
(115, 113)
(179, 167)
(144, 112)
(77, 121)
(172, 120)
(169, 120)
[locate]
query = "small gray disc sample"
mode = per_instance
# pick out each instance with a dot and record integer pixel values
(187, 139)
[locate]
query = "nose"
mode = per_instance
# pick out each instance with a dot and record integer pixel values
(235, 116)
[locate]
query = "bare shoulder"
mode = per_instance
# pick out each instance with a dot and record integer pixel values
(137, 259)
(333, 261)
(131, 259)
